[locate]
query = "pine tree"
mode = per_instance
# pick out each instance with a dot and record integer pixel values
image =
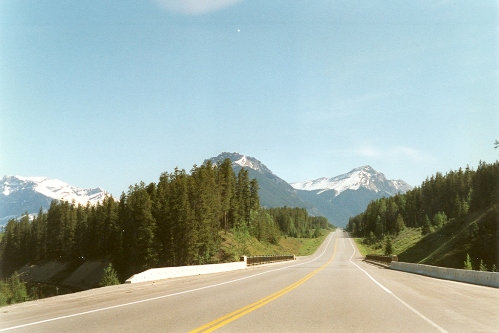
(243, 197)
(254, 200)
(54, 231)
(467, 262)
(400, 224)
(482, 266)
(426, 226)
(110, 277)
(226, 181)
(388, 246)
(142, 228)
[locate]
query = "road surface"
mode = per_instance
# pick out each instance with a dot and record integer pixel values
(331, 291)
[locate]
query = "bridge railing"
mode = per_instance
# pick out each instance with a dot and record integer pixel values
(266, 259)
(381, 259)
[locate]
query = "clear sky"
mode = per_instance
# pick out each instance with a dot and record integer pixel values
(109, 93)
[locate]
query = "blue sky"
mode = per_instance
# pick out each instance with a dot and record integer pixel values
(109, 93)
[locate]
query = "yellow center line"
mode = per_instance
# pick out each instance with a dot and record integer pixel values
(224, 320)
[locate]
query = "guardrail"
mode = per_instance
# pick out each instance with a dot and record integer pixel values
(382, 259)
(266, 259)
(490, 279)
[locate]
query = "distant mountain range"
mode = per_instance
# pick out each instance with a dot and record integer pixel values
(337, 198)
(274, 191)
(28, 194)
(347, 195)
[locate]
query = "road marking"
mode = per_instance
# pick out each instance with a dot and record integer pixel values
(163, 296)
(230, 317)
(428, 320)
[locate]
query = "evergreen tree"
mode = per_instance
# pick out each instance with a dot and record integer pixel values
(400, 224)
(482, 266)
(142, 226)
(467, 262)
(226, 181)
(388, 246)
(243, 197)
(110, 277)
(254, 199)
(184, 233)
(426, 226)
(54, 231)
(205, 201)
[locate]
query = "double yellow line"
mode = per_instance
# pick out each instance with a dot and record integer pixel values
(224, 320)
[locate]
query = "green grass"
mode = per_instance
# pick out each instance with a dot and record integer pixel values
(308, 245)
(364, 248)
(234, 245)
(405, 240)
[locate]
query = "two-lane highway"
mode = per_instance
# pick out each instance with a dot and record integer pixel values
(333, 290)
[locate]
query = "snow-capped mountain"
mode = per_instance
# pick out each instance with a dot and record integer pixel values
(364, 176)
(242, 161)
(341, 197)
(28, 194)
(337, 198)
(274, 191)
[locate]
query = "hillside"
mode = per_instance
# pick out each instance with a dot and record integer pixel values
(474, 235)
(446, 246)
(439, 223)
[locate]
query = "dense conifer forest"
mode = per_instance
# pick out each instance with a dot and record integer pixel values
(176, 221)
(440, 199)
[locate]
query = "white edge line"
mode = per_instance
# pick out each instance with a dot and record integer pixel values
(163, 296)
(428, 320)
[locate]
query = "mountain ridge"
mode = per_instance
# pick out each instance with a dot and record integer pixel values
(274, 191)
(20, 194)
(364, 176)
(337, 198)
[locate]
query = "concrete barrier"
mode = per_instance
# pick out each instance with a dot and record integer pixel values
(180, 271)
(490, 279)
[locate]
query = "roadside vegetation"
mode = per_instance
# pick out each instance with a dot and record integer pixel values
(209, 215)
(449, 218)
(13, 290)
(236, 243)
(181, 220)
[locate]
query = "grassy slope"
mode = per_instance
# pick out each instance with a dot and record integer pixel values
(406, 239)
(235, 245)
(446, 246)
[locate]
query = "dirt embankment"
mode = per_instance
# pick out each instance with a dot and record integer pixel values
(80, 277)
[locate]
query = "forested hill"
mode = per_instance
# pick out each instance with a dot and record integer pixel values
(451, 200)
(176, 221)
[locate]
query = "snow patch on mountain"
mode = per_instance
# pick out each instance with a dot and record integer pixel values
(365, 177)
(52, 188)
(241, 160)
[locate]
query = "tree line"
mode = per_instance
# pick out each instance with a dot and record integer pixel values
(176, 221)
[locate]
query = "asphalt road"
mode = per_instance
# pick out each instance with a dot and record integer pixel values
(333, 290)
